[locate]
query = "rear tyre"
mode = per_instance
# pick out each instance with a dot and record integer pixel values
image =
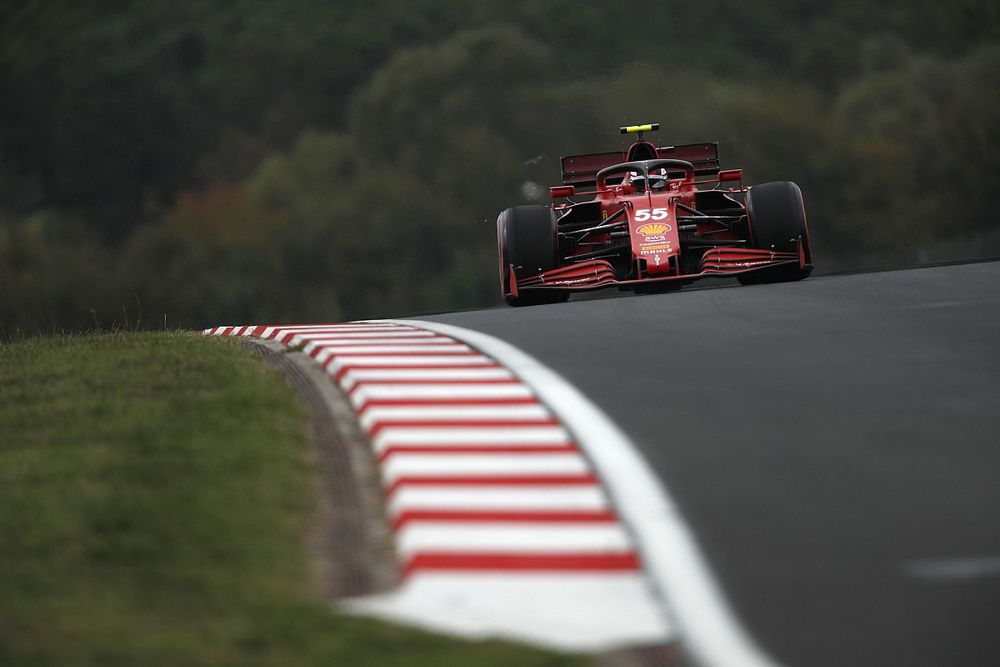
(526, 238)
(777, 222)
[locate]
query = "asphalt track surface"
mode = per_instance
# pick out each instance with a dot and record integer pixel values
(834, 445)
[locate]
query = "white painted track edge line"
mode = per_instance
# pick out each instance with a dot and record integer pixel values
(670, 554)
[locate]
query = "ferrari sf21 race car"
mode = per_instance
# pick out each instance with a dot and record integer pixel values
(651, 219)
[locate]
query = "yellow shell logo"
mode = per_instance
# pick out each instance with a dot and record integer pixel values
(653, 228)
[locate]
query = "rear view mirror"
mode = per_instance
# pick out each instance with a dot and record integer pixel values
(731, 175)
(557, 191)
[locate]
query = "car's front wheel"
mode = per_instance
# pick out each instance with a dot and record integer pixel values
(526, 240)
(777, 222)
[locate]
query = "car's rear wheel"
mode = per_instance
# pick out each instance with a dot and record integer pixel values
(526, 239)
(777, 222)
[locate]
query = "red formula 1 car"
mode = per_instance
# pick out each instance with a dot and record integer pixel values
(651, 219)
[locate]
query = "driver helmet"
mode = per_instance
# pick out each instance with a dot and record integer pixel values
(657, 180)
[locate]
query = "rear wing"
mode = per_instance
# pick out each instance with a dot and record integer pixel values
(582, 169)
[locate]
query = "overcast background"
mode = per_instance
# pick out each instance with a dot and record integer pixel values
(199, 163)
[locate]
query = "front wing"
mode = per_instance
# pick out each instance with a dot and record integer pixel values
(595, 273)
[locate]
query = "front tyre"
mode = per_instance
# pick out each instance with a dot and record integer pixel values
(526, 239)
(777, 222)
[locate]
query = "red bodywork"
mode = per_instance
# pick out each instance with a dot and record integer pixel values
(690, 224)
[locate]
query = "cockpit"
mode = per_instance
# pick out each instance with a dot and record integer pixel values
(654, 179)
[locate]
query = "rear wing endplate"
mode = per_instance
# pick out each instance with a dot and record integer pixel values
(582, 169)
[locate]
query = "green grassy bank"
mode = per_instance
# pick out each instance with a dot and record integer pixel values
(155, 490)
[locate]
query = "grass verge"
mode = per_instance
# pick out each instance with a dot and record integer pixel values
(155, 489)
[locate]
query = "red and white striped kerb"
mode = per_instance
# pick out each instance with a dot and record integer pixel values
(501, 526)
(478, 474)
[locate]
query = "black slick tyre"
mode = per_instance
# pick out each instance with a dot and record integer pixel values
(526, 239)
(777, 222)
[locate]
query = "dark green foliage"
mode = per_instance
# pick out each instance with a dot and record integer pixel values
(257, 162)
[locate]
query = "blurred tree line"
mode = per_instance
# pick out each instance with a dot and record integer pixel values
(198, 163)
